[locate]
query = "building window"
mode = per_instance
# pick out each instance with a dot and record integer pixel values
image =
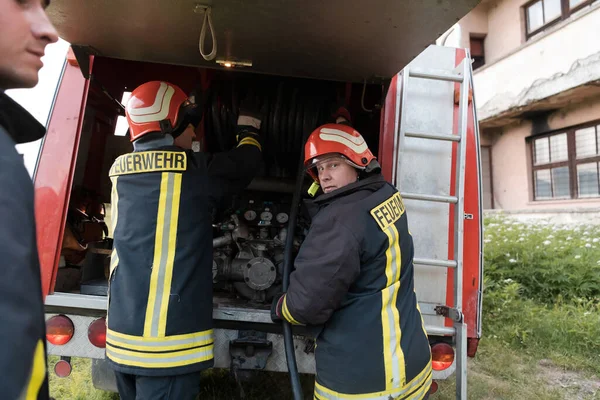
(540, 14)
(477, 51)
(566, 165)
(587, 143)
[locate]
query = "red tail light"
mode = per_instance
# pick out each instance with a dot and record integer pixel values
(442, 356)
(97, 333)
(62, 368)
(433, 388)
(59, 330)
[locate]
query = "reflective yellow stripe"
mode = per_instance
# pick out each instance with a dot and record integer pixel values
(114, 261)
(286, 312)
(174, 347)
(394, 306)
(164, 306)
(162, 339)
(158, 249)
(419, 385)
(114, 217)
(423, 378)
(38, 372)
(159, 360)
(250, 141)
(114, 206)
(387, 350)
(175, 342)
(385, 317)
(160, 356)
(419, 394)
(395, 374)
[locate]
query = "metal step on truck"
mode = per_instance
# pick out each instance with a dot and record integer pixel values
(412, 101)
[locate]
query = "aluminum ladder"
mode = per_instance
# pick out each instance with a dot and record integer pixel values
(460, 75)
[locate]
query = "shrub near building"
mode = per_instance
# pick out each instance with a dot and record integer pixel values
(542, 290)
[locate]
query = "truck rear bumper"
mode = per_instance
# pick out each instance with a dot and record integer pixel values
(229, 321)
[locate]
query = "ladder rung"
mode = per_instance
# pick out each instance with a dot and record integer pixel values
(434, 136)
(430, 197)
(438, 75)
(435, 263)
(439, 330)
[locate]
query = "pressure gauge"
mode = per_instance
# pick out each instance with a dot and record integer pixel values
(250, 215)
(282, 218)
(266, 216)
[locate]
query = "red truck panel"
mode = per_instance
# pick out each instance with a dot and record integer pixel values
(55, 169)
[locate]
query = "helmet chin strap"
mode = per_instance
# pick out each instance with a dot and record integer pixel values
(373, 166)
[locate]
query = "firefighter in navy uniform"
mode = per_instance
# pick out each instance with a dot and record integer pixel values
(159, 323)
(24, 33)
(353, 278)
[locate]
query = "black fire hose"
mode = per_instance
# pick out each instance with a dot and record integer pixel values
(288, 339)
(310, 121)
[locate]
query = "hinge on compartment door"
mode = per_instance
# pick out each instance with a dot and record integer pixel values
(449, 312)
(82, 55)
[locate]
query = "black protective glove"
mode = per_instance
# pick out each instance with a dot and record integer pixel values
(249, 117)
(276, 307)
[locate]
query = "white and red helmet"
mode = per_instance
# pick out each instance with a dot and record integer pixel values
(158, 106)
(336, 139)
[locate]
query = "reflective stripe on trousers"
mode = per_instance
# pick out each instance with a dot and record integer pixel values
(414, 390)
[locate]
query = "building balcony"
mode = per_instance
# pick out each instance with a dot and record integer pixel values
(553, 69)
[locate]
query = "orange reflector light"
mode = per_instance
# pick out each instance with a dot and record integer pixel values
(442, 356)
(62, 369)
(97, 333)
(59, 330)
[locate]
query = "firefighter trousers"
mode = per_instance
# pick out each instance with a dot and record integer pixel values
(176, 387)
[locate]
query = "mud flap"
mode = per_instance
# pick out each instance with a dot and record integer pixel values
(250, 351)
(103, 376)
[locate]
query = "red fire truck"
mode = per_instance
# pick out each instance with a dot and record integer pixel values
(412, 101)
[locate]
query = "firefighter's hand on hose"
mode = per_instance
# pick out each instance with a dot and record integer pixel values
(249, 119)
(248, 124)
(276, 308)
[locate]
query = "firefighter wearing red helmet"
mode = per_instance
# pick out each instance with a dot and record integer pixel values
(159, 325)
(353, 278)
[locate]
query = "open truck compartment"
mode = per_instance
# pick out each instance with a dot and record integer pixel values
(250, 228)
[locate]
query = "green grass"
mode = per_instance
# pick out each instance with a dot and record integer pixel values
(78, 386)
(541, 325)
(542, 291)
(566, 333)
(551, 263)
(501, 373)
